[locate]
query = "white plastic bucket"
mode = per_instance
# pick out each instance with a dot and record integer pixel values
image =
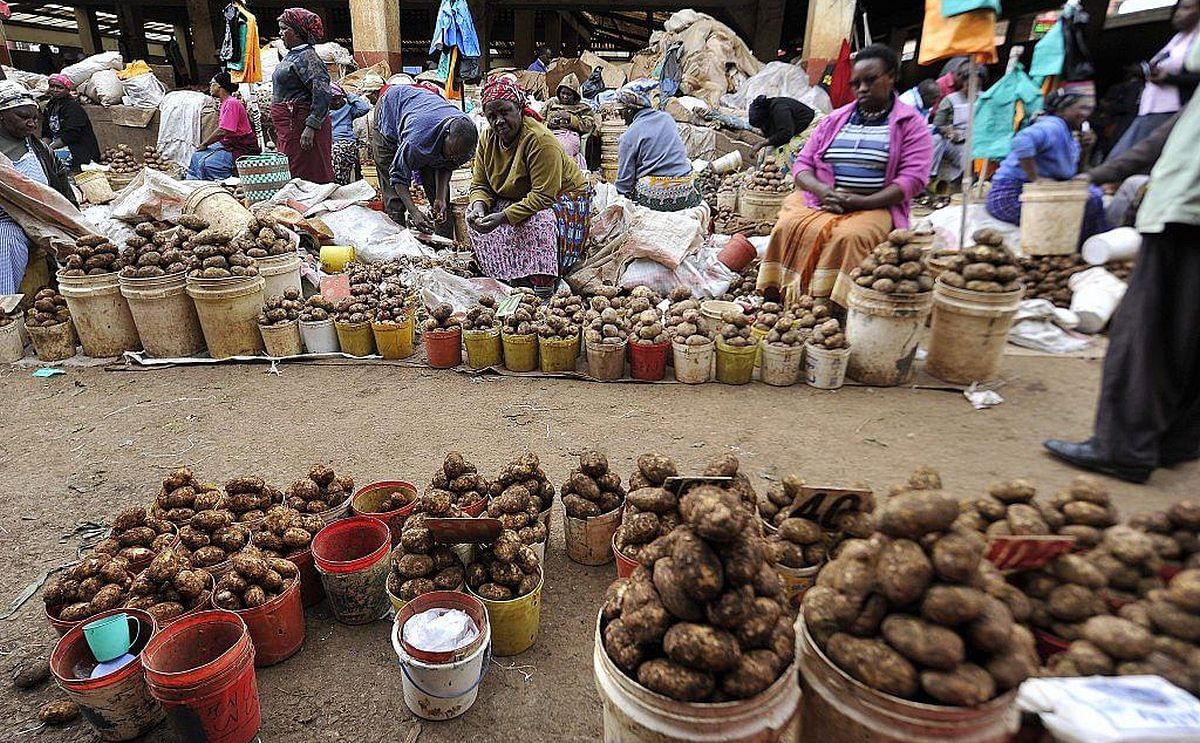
(1052, 217)
(164, 314)
(320, 336)
(884, 330)
(100, 314)
(12, 341)
(1095, 296)
(280, 273)
(825, 369)
(728, 163)
(693, 364)
(443, 691)
(1121, 244)
(781, 365)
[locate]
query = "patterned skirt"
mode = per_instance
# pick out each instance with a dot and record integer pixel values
(345, 161)
(1004, 203)
(546, 244)
(666, 193)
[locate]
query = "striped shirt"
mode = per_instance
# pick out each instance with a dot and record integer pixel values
(859, 156)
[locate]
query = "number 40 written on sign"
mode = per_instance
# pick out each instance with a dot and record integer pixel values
(824, 505)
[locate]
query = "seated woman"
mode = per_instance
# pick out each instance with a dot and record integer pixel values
(950, 128)
(234, 137)
(571, 120)
(652, 164)
(529, 212)
(858, 173)
(1048, 150)
(66, 126)
(784, 122)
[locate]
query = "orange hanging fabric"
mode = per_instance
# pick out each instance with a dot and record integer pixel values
(968, 33)
(251, 71)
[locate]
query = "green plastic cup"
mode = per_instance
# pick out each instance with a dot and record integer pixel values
(109, 637)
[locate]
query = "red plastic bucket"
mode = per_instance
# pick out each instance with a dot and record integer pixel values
(367, 500)
(276, 627)
(351, 556)
(311, 590)
(737, 253)
(1049, 645)
(443, 348)
(477, 508)
(648, 363)
(201, 670)
(118, 705)
(625, 565)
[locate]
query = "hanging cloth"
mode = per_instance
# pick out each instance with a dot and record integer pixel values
(839, 81)
(951, 8)
(231, 46)
(997, 111)
(454, 27)
(969, 33)
(1078, 63)
(251, 68)
(1049, 54)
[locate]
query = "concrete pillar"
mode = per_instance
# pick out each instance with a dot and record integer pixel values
(523, 37)
(480, 15)
(554, 32)
(768, 29)
(132, 22)
(203, 48)
(183, 36)
(829, 21)
(89, 31)
(375, 30)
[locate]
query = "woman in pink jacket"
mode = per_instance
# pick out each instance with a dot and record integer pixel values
(858, 174)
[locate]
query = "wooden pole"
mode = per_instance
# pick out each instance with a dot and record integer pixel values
(968, 145)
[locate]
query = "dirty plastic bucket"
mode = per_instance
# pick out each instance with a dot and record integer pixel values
(351, 556)
(969, 333)
(282, 340)
(1052, 216)
(730, 162)
(760, 205)
(319, 336)
(1095, 294)
(483, 348)
(625, 565)
(369, 498)
(693, 364)
(835, 706)
(280, 273)
(797, 581)
(558, 356)
(634, 713)
(117, 705)
(825, 368)
(735, 365)
(520, 352)
(1121, 244)
(737, 253)
(219, 208)
(883, 330)
(443, 348)
(228, 311)
(781, 365)
(100, 314)
(713, 309)
(201, 670)
(394, 339)
(355, 338)
(648, 362)
(95, 187)
(53, 342)
(312, 592)
(605, 360)
(442, 685)
(759, 335)
(164, 315)
(514, 622)
(590, 541)
(335, 257)
(12, 341)
(276, 627)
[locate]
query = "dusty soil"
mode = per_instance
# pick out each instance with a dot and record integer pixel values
(82, 445)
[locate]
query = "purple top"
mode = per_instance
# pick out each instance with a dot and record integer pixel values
(910, 154)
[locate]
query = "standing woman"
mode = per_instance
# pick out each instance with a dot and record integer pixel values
(66, 124)
(530, 204)
(301, 95)
(234, 137)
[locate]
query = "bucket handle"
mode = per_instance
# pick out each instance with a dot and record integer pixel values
(487, 661)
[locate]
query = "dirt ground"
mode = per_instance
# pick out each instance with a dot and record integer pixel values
(80, 446)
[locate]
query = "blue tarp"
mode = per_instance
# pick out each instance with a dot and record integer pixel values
(454, 27)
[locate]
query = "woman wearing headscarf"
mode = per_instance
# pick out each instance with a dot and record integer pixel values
(653, 168)
(234, 137)
(23, 158)
(571, 120)
(67, 126)
(856, 178)
(301, 95)
(529, 211)
(784, 122)
(344, 109)
(1048, 149)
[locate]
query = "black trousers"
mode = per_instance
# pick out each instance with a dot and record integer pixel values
(1149, 408)
(383, 153)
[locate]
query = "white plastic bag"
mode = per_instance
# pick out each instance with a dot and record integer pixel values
(332, 52)
(104, 87)
(1123, 709)
(438, 285)
(153, 195)
(945, 223)
(1041, 326)
(777, 79)
(440, 630)
(702, 273)
(375, 237)
(85, 68)
(144, 91)
(1096, 293)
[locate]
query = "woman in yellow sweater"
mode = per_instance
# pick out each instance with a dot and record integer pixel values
(529, 211)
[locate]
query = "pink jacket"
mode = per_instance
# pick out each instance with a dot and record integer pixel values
(910, 154)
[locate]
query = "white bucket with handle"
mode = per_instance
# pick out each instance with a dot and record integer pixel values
(443, 685)
(1095, 295)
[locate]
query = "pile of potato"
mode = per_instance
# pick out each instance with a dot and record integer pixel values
(650, 511)
(727, 465)
(916, 612)
(521, 321)
(156, 160)
(744, 284)
(1009, 509)
(482, 316)
(685, 323)
(505, 569)
(97, 583)
(1129, 561)
(285, 531)
(592, 489)
(1175, 532)
(460, 480)
(604, 323)
(517, 509)
(282, 310)
(1045, 276)
(561, 317)
(1087, 510)
(317, 309)
(648, 329)
(735, 329)
(170, 587)
(91, 255)
(1063, 595)
(136, 537)
(987, 266)
(249, 498)
(441, 317)
(704, 618)
(894, 267)
(49, 308)
(253, 582)
(182, 496)
(420, 565)
(771, 177)
(154, 251)
(262, 239)
(800, 542)
(828, 334)
(320, 491)
(526, 470)
(220, 255)
(120, 160)
(211, 536)
(353, 310)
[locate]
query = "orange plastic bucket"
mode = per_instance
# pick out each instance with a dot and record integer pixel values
(625, 565)
(276, 627)
(443, 348)
(648, 362)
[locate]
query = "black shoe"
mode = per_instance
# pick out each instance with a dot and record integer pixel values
(1084, 456)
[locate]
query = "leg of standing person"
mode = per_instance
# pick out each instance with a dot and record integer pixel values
(430, 184)
(383, 153)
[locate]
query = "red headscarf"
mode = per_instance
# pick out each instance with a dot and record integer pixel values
(505, 88)
(305, 23)
(62, 80)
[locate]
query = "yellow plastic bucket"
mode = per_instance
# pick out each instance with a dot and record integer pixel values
(355, 338)
(335, 257)
(758, 335)
(514, 622)
(483, 348)
(735, 365)
(558, 356)
(394, 339)
(520, 352)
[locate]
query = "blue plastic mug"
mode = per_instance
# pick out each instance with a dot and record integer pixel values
(109, 637)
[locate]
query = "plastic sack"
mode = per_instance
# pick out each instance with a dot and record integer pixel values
(318, 198)
(104, 87)
(438, 285)
(775, 80)
(153, 195)
(42, 213)
(332, 52)
(144, 91)
(1124, 709)
(1043, 327)
(1096, 293)
(440, 630)
(85, 68)
(100, 216)
(702, 273)
(375, 237)
(133, 69)
(37, 84)
(946, 222)
(665, 237)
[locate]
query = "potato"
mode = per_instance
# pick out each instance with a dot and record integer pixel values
(1076, 569)
(714, 514)
(1010, 669)
(166, 610)
(966, 686)
(1118, 638)
(1072, 603)
(699, 568)
(675, 681)
(956, 556)
(1184, 591)
(756, 628)
(729, 609)
(702, 647)
(108, 597)
(801, 531)
(654, 500)
(1015, 491)
(1025, 520)
(903, 571)
(672, 592)
(912, 515)
(648, 623)
(1089, 659)
(991, 631)
(656, 468)
(952, 605)
(755, 672)
(58, 712)
(1086, 514)
(622, 649)
(873, 663)
(923, 643)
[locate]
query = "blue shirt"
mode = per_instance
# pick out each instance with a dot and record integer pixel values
(859, 156)
(415, 120)
(301, 77)
(650, 146)
(1052, 146)
(343, 118)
